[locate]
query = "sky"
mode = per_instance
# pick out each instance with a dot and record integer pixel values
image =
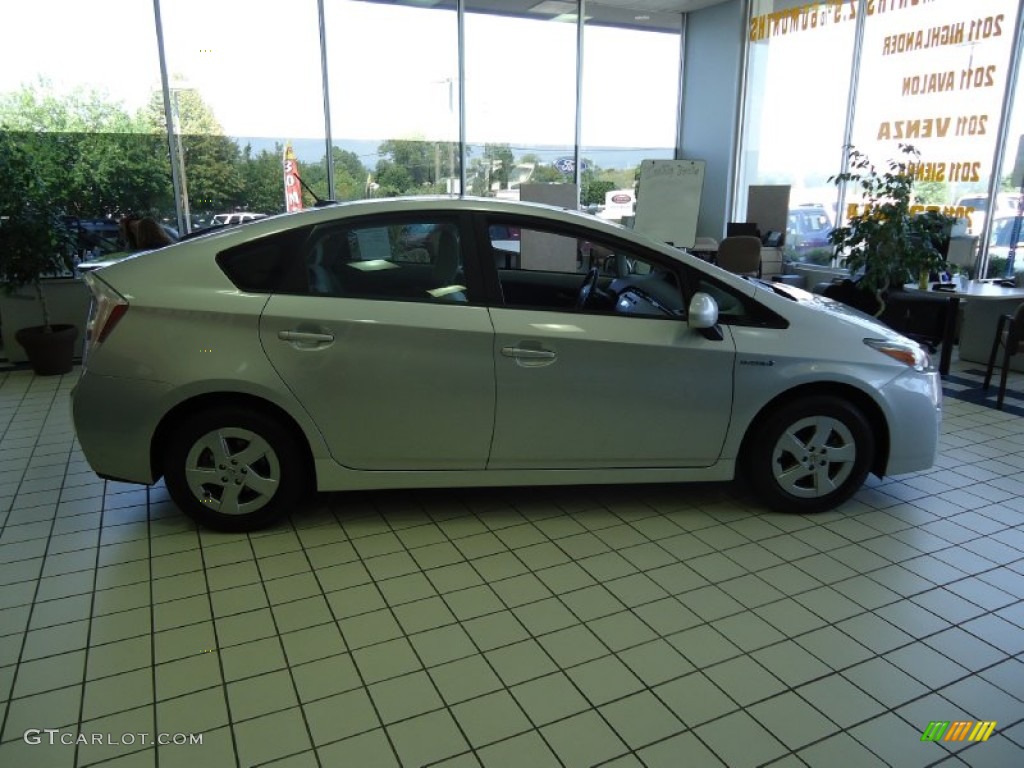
(392, 69)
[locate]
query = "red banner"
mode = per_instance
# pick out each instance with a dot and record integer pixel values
(292, 186)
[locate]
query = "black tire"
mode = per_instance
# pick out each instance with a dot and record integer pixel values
(838, 449)
(260, 476)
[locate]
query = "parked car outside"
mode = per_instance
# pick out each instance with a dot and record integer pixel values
(99, 240)
(306, 351)
(227, 219)
(999, 245)
(95, 237)
(807, 230)
(1006, 205)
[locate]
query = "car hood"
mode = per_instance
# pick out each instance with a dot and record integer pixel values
(787, 298)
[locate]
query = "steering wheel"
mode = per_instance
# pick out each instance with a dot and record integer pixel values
(587, 289)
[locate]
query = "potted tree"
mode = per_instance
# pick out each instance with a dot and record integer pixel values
(33, 244)
(887, 242)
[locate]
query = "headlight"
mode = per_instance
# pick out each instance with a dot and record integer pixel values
(910, 354)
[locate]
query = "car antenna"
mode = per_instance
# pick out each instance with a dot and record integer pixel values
(320, 202)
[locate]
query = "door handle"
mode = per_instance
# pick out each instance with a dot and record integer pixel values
(526, 353)
(307, 337)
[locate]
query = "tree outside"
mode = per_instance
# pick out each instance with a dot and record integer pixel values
(104, 161)
(548, 174)
(932, 192)
(95, 157)
(414, 167)
(211, 159)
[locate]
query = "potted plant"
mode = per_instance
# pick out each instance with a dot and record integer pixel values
(887, 242)
(33, 244)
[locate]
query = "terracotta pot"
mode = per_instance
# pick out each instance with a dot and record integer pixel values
(50, 354)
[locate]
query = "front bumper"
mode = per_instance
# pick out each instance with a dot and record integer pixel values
(914, 405)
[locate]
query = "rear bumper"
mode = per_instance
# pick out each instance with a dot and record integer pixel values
(115, 419)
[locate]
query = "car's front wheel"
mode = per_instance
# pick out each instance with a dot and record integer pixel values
(810, 455)
(233, 470)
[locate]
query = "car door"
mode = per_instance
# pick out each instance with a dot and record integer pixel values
(385, 348)
(608, 385)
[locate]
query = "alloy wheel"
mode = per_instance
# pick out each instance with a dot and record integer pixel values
(814, 457)
(233, 471)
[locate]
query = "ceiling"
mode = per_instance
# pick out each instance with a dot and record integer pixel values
(662, 15)
(662, 6)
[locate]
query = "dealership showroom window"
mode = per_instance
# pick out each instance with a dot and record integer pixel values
(519, 593)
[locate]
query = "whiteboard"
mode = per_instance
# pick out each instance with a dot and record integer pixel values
(668, 200)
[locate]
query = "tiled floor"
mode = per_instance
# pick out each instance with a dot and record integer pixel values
(658, 626)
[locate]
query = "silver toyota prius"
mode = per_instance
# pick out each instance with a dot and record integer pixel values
(440, 342)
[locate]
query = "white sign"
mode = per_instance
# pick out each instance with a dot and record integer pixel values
(618, 203)
(668, 200)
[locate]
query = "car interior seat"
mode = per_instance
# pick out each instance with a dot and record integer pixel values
(447, 270)
(323, 265)
(740, 254)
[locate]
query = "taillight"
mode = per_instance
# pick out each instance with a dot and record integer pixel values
(116, 313)
(108, 307)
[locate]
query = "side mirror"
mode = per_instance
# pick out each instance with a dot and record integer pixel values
(702, 316)
(703, 312)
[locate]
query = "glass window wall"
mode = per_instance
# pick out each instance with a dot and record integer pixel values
(243, 87)
(933, 76)
(630, 102)
(393, 83)
(794, 116)
(520, 97)
(75, 104)
(1005, 244)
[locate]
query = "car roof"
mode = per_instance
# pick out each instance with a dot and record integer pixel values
(398, 205)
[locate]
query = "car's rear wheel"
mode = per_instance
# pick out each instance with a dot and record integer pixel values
(810, 455)
(234, 470)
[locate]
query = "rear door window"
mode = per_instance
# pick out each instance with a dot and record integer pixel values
(412, 258)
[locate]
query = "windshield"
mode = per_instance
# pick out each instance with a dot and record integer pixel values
(977, 203)
(809, 222)
(1002, 231)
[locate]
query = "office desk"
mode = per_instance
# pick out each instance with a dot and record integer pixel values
(983, 303)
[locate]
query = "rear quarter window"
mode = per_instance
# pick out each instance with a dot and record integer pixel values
(266, 264)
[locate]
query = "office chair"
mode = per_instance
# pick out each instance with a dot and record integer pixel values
(740, 254)
(1009, 334)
